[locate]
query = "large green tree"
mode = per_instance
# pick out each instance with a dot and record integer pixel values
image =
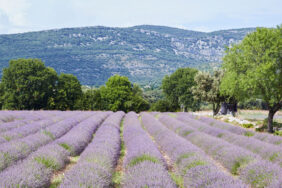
(207, 89)
(178, 89)
(28, 84)
(120, 94)
(253, 68)
(68, 92)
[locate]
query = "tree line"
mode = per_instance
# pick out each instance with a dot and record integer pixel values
(27, 84)
(251, 70)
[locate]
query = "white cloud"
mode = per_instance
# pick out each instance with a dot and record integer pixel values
(15, 10)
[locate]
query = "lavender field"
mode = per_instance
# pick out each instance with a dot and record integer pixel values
(115, 149)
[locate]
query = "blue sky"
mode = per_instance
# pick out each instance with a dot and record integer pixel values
(201, 15)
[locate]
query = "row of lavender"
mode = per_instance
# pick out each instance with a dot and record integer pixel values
(17, 149)
(10, 116)
(37, 169)
(265, 137)
(194, 167)
(18, 116)
(21, 130)
(250, 168)
(144, 164)
(266, 150)
(96, 164)
(25, 118)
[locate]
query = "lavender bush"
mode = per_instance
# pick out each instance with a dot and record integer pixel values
(234, 158)
(97, 161)
(143, 162)
(31, 128)
(276, 140)
(28, 117)
(49, 158)
(187, 158)
(267, 151)
(19, 149)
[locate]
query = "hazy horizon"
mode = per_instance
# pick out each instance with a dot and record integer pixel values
(18, 16)
(52, 29)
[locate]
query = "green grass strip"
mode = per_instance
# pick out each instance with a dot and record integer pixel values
(49, 134)
(192, 165)
(117, 177)
(48, 163)
(143, 158)
(178, 180)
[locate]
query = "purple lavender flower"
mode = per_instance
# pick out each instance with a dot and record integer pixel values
(187, 158)
(267, 151)
(143, 162)
(232, 157)
(97, 161)
(41, 163)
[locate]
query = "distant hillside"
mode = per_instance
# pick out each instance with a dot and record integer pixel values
(143, 53)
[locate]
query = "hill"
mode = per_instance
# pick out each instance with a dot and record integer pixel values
(143, 53)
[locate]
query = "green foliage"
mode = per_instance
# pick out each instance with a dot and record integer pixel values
(142, 158)
(178, 179)
(274, 157)
(184, 156)
(278, 133)
(48, 133)
(68, 92)
(252, 104)
(178, 89)
(192, 165)
(153, 95)
(247, 125)
(249, 134)
(66, 146)
(116, 93)
(90, 100)
(57, 181)
(120, 94)
(161, 106)
(8, 138)
(28, 84)
(253, 68)
(1, 95)
(261, 180)
(207, 89)
(117, 178)
(47, 162)
(240, 163)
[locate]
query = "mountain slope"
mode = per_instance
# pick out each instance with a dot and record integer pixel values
(143, 53)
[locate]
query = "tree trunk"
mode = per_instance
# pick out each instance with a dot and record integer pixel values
(215, 108)
(270, 121)
(272, 110)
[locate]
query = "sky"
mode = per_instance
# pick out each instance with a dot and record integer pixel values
(17, 16)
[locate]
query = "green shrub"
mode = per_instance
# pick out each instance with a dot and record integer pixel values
(278, 133)
(247, 125)
(249, 134)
